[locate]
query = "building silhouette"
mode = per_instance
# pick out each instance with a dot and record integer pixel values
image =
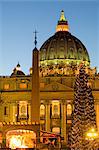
(42, 100)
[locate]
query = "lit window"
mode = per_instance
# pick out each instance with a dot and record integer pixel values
(68, 121)
(23, 108)
(42, 110)
(69, 109)
(6, 86)
(23, 85)
(55, 108)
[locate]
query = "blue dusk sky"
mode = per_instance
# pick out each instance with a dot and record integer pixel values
(20, 18)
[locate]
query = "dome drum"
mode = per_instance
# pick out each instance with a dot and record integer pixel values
(59, 68)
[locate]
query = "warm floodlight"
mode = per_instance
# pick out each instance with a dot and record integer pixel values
(91, 134)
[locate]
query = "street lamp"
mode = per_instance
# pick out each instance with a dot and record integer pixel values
(92, 137)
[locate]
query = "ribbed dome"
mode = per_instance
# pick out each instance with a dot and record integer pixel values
(63, 47)
(17, 71)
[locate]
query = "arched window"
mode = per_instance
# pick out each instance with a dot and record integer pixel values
(23, 109)
(55, 109)
(42, 110)
(69, 109)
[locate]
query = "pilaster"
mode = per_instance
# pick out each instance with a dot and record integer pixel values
(47, 111)
(14, 112)
(97, 114)
(29, 111)
(63, 119)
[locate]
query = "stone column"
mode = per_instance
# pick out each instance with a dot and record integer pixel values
(14, 112)
(3, 139)
(29, 112)
(47, 113)
(63, 120)
(97, 114)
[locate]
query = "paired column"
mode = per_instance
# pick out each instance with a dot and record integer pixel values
(63, 119)
(29, 112)
(97, 114)
(14, 112)
(47, 112)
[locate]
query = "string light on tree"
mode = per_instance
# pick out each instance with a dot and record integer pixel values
(83, 116)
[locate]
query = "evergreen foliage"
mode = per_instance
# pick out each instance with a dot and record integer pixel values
(83, 116)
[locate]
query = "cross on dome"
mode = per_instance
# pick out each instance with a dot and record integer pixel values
(62, 17)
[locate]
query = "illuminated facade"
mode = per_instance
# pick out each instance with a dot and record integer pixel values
(59, 59)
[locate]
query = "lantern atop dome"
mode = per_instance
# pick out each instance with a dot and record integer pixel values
(62, 23)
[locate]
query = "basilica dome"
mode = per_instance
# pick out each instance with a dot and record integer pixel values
(63, 47)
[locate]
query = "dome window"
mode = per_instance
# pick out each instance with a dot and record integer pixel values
(44, 50)
(62, 49)
(71, 49)
(69, 56)
(80, 50)
(51, 56)
(62, 39)
(69, 40)
(71, 52)
(43, 56)
(52, 49)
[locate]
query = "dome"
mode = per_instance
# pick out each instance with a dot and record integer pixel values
(63, 47)
(17, 71)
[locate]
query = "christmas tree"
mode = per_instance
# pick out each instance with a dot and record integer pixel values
(83, 116)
